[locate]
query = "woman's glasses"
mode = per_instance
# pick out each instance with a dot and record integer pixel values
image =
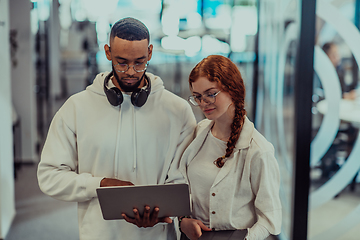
(207, 98)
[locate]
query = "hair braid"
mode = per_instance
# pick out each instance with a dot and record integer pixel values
(236, 127)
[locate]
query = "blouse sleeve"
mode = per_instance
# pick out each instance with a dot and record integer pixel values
(265, 183)
(257, 232)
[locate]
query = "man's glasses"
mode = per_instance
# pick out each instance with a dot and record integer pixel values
(207, 98)
(123, 67)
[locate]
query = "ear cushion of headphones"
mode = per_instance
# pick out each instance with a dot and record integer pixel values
(139, 98)
(114, 96)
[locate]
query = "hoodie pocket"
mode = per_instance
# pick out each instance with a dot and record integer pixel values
(93, 225)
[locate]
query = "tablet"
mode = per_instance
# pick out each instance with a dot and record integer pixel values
(172, 200)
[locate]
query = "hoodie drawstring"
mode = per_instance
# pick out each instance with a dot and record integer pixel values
(134, 139)
(116, 161)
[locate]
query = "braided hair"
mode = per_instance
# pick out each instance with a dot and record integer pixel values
(220, 69)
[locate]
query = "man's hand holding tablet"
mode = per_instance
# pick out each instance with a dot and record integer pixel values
(147, 220)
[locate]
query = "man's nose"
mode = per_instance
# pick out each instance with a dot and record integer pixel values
(131, 70)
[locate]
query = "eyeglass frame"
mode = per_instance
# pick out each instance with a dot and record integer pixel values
(133, 66)
(192, 98)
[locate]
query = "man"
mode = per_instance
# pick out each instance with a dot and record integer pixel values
(124, 129)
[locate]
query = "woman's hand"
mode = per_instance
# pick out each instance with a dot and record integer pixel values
(192, 228)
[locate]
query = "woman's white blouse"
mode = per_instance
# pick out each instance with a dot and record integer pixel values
(245, 192)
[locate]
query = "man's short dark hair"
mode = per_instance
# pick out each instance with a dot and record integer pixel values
(130, 29)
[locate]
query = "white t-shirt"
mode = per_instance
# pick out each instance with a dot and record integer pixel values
(202, 173)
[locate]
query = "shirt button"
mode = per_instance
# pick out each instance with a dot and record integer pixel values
(213, 212)
(213, 194)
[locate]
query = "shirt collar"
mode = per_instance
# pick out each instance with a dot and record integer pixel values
(245, 135)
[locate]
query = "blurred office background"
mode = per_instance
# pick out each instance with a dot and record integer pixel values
(51, 49)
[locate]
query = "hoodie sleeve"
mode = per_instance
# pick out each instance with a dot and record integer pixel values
(185, 138)
(57, 170)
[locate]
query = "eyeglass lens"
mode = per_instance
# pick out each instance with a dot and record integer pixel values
(207, 98)
(139, 67)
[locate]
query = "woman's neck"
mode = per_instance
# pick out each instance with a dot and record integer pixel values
(222, 129)
(222, 125)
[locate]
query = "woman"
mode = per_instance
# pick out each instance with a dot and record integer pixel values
(230, 167)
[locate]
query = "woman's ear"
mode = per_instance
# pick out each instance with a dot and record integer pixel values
(231, 110)
(107, 52)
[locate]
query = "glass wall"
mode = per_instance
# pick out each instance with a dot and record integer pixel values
(333, 196)
(278, 42)
(335, 149)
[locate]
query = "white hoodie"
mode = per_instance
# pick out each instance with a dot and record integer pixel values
(90, 139)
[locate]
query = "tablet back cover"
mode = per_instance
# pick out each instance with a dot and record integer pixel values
(172, 200)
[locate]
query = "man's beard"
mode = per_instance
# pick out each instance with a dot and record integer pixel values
(124, 87)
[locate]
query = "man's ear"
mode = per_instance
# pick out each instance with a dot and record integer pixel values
(150, 49)
(107, 52)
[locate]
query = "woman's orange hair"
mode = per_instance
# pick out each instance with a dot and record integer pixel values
(220, 69)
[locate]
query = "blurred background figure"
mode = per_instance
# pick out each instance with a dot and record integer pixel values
(332, 51)
(347, 133)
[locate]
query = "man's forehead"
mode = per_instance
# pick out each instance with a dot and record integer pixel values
(122, 49)
(117, 40)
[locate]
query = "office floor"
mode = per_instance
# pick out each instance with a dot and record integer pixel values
(39, 217)
(328, 215)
